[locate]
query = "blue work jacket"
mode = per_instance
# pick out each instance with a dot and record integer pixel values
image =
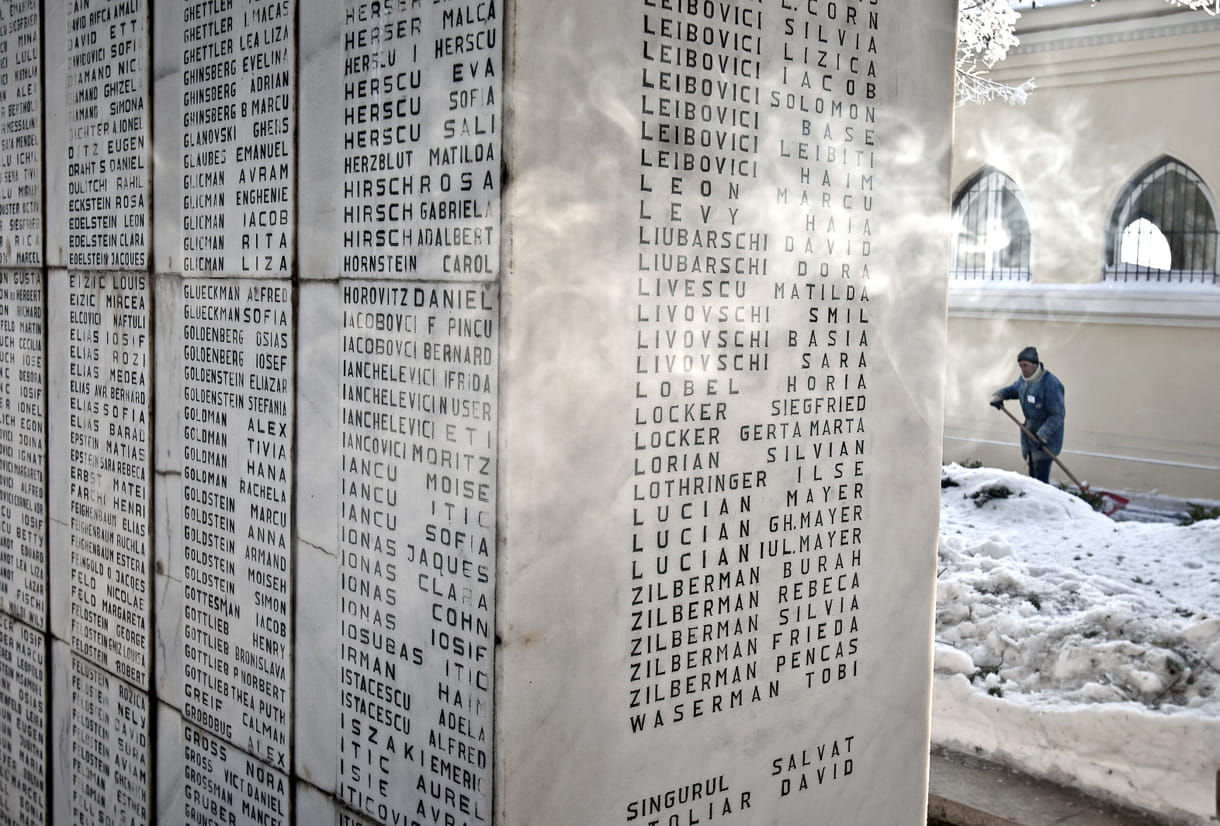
(1042, 404)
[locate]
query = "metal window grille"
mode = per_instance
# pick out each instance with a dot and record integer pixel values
(992, 240)
(1164, 229)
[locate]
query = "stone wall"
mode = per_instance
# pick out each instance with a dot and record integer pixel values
(438, 412)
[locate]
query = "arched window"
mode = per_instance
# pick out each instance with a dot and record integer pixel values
(1163, 228)
(991, 240)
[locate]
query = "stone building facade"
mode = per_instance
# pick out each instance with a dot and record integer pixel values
(1085, 224)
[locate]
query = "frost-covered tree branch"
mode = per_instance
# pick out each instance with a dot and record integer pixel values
(973, 86)
(1212, 7)
(985, 33)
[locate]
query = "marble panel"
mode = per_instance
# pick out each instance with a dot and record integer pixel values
(102, 757)
(317, 809)
(612, 490)
(23, 444)
(411, 556)
(99, 84)
(226, 112)
(205, 779)
(402, 104)
(100, 496)
(717, 520)
(316, 729)
(168, 546)
(23, 724)
(21, 120)
(225, 489)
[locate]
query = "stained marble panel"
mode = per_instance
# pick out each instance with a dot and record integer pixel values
(23, 444)
(403, 102)
(315, 808)
(212, 781)
(100, 499)
(21, 119)
(101, 737)
(105, 82)
(230, 458)
(227, 108)
(23, 723)
(414, 471)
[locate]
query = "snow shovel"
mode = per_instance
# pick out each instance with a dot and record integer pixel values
(1111, 503)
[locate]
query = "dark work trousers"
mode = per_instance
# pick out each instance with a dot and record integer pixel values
(1040, 466)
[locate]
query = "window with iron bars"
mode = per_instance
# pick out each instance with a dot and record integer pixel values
(1163, 229)
(991, 240)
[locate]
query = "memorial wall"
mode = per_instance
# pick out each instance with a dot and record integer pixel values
(433, 412)
(24, 563)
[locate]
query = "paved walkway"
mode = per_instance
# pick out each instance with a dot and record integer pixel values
(965, 791)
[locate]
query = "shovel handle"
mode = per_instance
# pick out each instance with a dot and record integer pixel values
(1038, 441)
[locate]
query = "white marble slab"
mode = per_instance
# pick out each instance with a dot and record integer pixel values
(101, 741)
(225, 181)
(317, 531)
(98, 59)
(23, 445)
(23, 723)
(21, 218)
(205, 779)
(317, 809)
(100, 497)
(224, 475)
(411, 461)
(716, 544)
(316, 725)
(403, 107)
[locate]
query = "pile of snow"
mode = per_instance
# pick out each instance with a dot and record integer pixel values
(1076, 647)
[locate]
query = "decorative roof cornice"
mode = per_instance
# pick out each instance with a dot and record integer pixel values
(1137, 303)
(1122, 31)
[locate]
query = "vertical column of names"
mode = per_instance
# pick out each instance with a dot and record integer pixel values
(827, 112)
(23, 492)
(21, 223)
(226, 785)
(236, 485)
(238, 123)
(383, 142)
(107, 429)
(23, 717)
(23, 554)
(110, 753)
(108, 127)
(417, 543)
(106, 358)
(421, 139)
(238, 118)
(421, 203)
(702, 334)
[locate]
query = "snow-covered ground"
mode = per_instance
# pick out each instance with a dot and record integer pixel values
(1076, 647)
